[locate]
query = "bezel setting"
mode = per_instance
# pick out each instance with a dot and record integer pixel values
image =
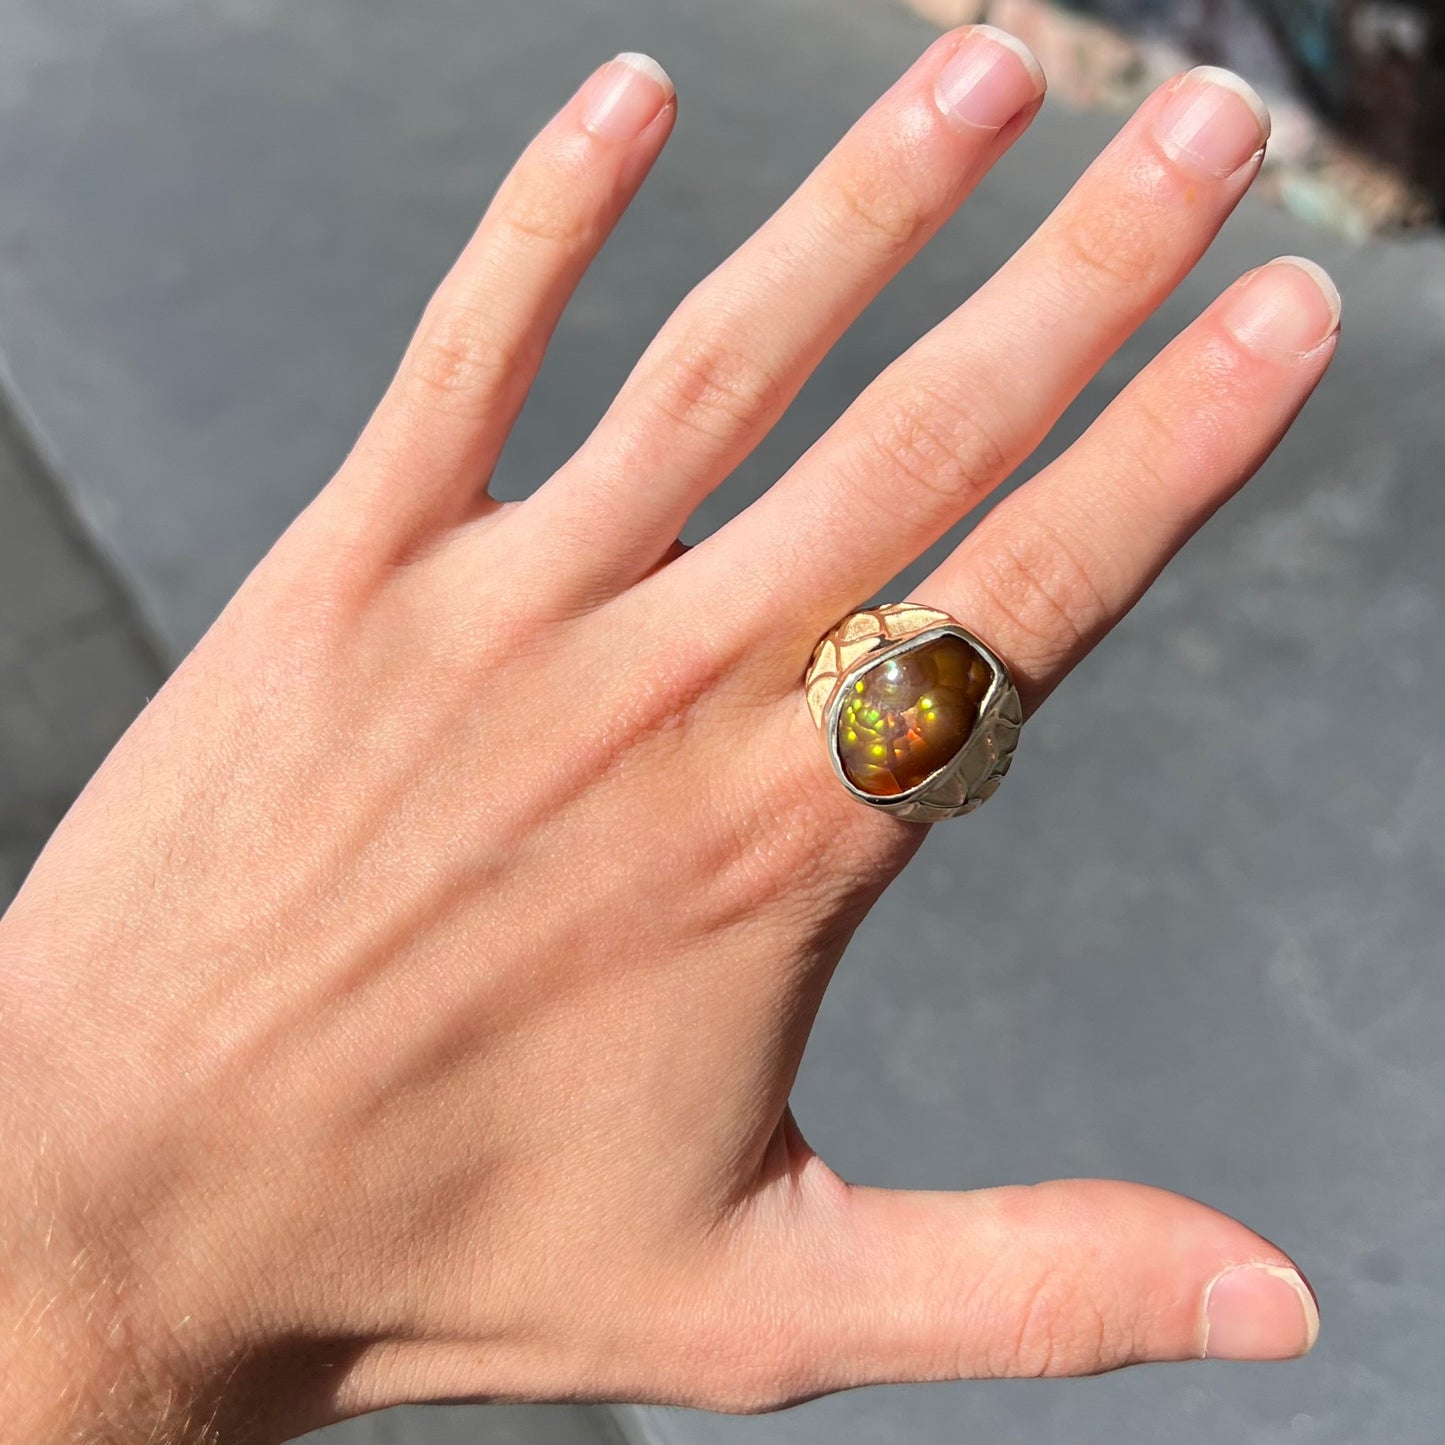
(870, 639)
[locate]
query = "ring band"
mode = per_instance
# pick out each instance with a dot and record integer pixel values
(918, 715)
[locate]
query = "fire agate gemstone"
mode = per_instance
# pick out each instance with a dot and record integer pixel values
(906, 716)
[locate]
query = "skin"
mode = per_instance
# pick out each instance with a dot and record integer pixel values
(408, 1008)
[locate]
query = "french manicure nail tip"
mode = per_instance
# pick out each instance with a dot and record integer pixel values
(988, 80)
(625, 97)
(1289, 305)
(646, 65)
(1213, 121)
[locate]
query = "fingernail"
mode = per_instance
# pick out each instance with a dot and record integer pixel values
(625, 96)
(1289, 305)
(1259, 1312)
(990, 78)
(1213, 121)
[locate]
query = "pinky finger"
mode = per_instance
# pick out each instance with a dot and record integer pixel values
(430, 448)
(1053, 567)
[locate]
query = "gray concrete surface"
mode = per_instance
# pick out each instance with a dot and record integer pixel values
(75, 663)
(1196, 940)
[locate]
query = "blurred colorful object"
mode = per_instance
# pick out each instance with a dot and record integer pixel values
(1357, 87)
(1375, 69)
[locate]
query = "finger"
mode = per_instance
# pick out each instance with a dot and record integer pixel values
(1068, 1278)
(737, 350)
(1055, 565)
(952, 417)
(430, 448)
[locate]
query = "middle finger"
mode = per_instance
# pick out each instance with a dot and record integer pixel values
(952, 417)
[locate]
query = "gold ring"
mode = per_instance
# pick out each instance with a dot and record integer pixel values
(919, 716)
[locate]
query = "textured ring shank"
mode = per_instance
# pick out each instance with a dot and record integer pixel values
(864, 640)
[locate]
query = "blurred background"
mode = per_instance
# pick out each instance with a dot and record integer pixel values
(1197, 940)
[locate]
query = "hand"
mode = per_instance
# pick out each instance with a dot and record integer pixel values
(408, 1008)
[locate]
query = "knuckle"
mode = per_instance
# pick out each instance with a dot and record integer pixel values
(1150, 436)
(1112, 249)
(713, 387)
(548, 220)
(1056, 1327)
(939, 447)
(546, 201)
(1041, 591)
(457, 360)
(871, 206)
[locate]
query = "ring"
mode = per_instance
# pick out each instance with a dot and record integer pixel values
(919, 716)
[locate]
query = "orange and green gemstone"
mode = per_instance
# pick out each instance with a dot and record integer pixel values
(909, 714)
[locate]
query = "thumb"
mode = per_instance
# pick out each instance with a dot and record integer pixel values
(1067, 1278)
